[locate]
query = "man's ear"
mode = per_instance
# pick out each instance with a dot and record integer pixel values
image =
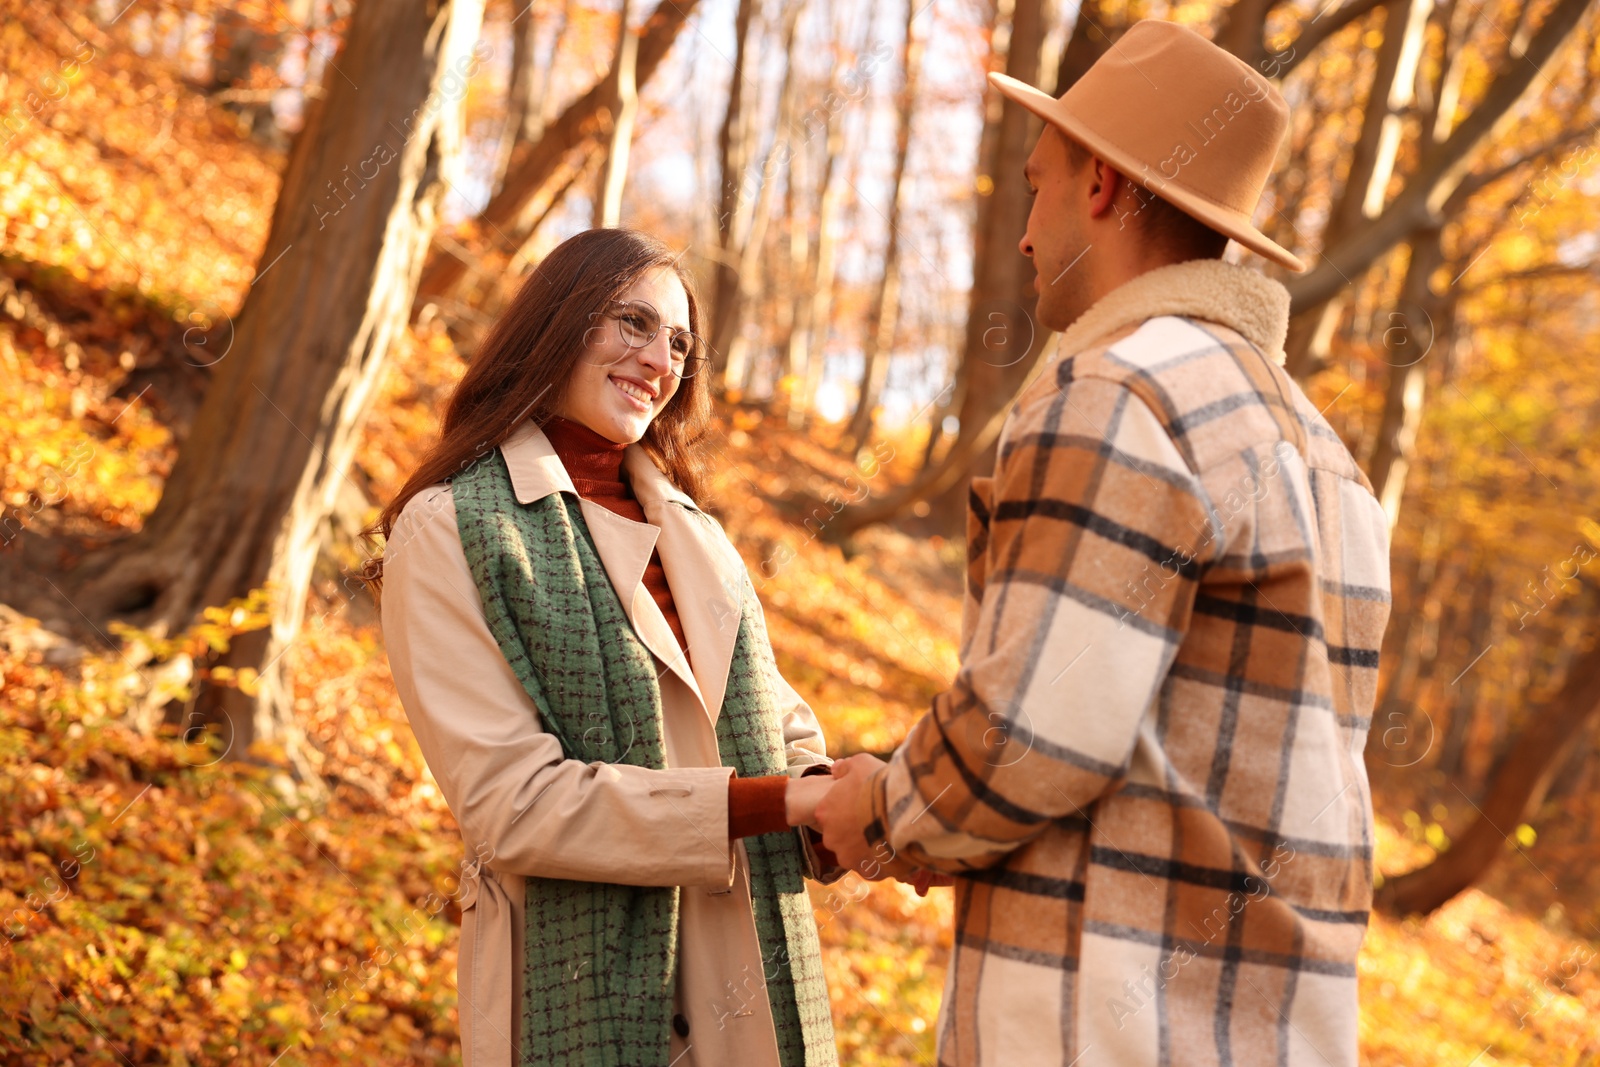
(1105, 181)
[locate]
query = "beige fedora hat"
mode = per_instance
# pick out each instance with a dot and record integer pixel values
(1180, 117)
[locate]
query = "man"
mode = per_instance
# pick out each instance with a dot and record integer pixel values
(1147, 778)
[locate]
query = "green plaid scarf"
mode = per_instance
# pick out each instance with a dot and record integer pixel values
(601, 959)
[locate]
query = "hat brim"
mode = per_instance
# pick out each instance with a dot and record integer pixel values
(1223, 219)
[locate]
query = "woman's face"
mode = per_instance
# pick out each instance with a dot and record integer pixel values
(616, 390)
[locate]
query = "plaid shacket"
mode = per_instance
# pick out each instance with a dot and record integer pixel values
(1148, 772)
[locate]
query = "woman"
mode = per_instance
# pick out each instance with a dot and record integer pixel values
(587, 670)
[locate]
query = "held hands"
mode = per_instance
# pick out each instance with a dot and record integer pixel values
(844, 812)
(840, 808)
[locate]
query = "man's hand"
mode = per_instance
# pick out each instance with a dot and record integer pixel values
(801, 796)
(845, 811)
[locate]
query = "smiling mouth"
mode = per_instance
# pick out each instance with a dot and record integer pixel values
(633, 393)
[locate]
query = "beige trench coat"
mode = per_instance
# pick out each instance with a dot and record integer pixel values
(525, 809)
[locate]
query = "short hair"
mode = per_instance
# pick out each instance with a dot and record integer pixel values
(1160, 220)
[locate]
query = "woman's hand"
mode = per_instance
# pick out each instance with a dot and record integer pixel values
(801, 797)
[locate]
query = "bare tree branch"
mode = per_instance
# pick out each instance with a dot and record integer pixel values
(1538, 273)
(1442, 170)
(1518, 788)
(580, 126)
(1319, 29)
(1475, 183)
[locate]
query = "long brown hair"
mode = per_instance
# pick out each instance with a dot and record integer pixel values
(524, 366)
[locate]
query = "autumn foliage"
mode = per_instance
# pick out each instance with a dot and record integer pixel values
(161, 904)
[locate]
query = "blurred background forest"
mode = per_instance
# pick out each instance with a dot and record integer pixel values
(248, 248)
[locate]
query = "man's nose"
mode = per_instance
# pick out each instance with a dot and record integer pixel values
(1025, 246)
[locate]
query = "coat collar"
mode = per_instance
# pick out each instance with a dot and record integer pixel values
(1240, 298)
(703, 569)
(536, 471)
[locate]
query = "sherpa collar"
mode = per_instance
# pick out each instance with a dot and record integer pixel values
(1240, 298)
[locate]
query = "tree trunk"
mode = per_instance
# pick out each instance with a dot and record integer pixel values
(624, 106)
(1240, 27)
(735, 210)
(252, 489)
(579, 129)
(884, 315)
(794, 294)
(1372, 161)
(1419, 322)
(739, 366)
(1395, 707)
(523, 100)
(818, 311)
(815, 310)
(1002, 342)
(544, 93)
(1515, 793)
(1413, 599)
(1464, 706)
(784, 260)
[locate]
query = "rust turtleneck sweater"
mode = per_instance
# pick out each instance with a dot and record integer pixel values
(594, 463)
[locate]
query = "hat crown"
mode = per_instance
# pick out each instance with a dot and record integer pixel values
(1190, 112)
(1176, 114)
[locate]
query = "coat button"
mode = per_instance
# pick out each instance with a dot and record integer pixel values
(680, 1025)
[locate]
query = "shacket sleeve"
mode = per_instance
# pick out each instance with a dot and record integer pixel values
(1097, 531)
(522, 806)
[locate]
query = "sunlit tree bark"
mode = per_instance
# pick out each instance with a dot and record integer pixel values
(884, 314)
(623, 87)
(249, 497)
(1002, 340)
(539, 167)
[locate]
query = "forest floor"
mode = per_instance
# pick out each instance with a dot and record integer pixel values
(161, 906)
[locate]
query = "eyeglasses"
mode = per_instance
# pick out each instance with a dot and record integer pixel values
(638, 322)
